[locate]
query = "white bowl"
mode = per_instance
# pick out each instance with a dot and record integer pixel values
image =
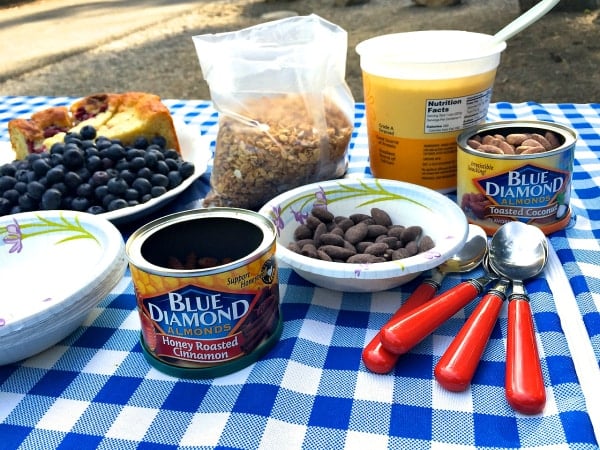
(407, 204)
(56, 267)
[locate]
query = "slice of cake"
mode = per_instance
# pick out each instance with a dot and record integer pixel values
(28, 135)
(124, 116)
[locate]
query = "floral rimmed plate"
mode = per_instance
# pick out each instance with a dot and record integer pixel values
(407, 204)
(56, 267)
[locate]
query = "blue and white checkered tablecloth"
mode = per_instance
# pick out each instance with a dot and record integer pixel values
(95, 389)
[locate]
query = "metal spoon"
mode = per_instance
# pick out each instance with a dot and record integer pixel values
(518, 252)
(455, 369)
(376, 358)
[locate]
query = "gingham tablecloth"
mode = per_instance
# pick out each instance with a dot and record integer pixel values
(95, 389)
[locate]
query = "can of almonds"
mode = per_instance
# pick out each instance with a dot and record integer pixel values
(516, 171)
(207, 290)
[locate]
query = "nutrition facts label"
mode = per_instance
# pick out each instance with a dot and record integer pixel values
(453, 114)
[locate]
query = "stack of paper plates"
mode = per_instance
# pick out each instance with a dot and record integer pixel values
(56, 266)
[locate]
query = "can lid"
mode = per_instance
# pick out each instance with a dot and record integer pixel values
(217, 370)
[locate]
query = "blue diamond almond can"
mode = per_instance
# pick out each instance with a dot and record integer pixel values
(516, 171)
(207, 292)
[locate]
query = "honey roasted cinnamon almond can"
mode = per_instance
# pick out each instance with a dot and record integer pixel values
(516, 171)
(207, 291)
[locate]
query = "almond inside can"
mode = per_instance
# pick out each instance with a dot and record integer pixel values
(503, 176)
(207, 292)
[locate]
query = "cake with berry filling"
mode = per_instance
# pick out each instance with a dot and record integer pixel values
(28, 135)
(125, 116)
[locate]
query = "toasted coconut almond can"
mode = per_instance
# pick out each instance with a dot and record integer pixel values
(206, 285)
(516, 171)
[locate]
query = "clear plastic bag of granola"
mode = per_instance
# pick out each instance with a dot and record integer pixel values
(285, 110)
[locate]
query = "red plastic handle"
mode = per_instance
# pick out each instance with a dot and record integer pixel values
(400, 335)
(525, 389)
(455, 369)
(375, 357)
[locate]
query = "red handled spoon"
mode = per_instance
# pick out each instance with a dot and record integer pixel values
(379, 360)
(519, 251)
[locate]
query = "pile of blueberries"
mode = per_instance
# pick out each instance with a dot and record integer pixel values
(91, 174)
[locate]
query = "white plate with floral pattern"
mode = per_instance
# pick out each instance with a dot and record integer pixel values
(195, 148)
(56, 267)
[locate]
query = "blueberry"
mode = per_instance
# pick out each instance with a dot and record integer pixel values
(173, 164)
(140, 142)
(96, 209)
(57, 148)
(56, 159)
(144, 172)
(55, 175)
(61, 187)
(80, 204)
(8, 169)
(84, 173)
(73, 138)
(134, 153)
(128, 176)
(20, 187)
(158, 179)
(107, 199)
(40, 167)
(88, 132)
(73, 158)
(117, 203)
(159, 140)
(72, 180)
(51, 199)
(88, 144)
(7, 182)
(117, 186)
(114, 152)
(171, 154)
(137, 163)
(107, 163)
(100, 178)
(186, 169)
(12, 195)
(85, 190)
(35, 190)
(163, 167)
(121, 165)
(27, 203)
(5, 206)
(94, 163)
(150, 160)
(91, 151)
(157, 191)
(131, 194)
(100, 192)
(175, 179)
(142, 185)
(32, 157)
(22, 175)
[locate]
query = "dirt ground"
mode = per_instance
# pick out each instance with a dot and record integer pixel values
(555, 60)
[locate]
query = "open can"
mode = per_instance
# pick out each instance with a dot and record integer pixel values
(207, 290)
(531, 185)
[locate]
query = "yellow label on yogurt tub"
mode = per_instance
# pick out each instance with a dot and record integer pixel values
(421, 89)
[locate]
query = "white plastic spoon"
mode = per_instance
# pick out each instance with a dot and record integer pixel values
(524, 20)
